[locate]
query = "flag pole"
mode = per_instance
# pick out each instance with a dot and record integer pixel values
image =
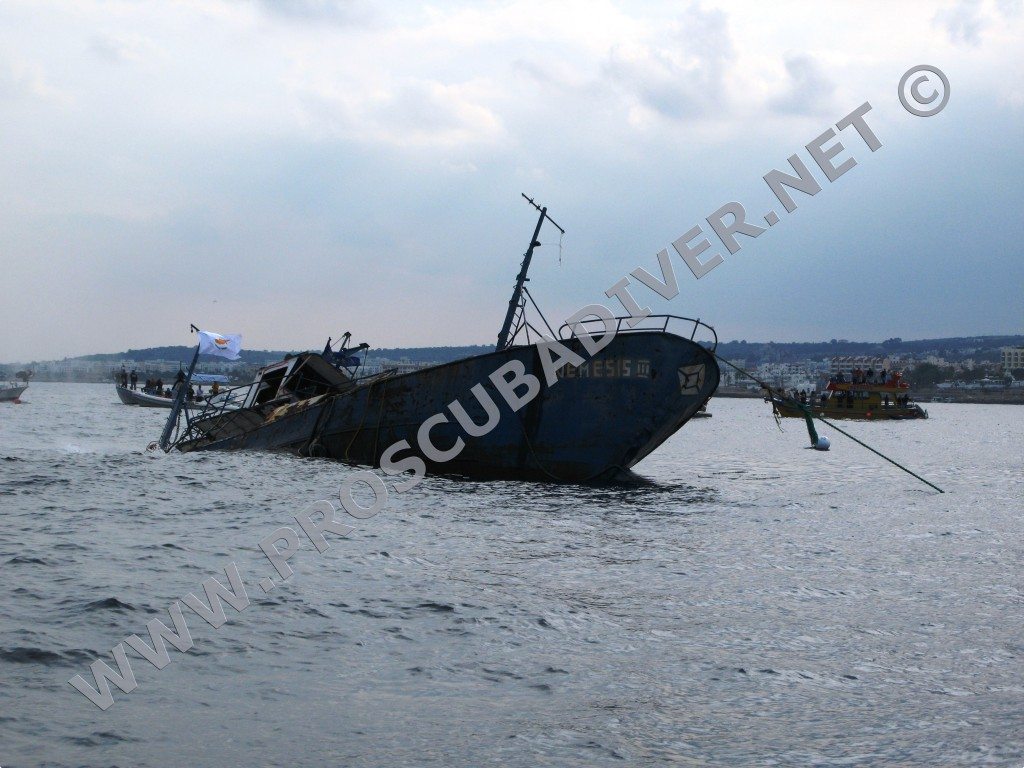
(179, 399)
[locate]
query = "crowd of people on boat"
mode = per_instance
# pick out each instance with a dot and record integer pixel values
(845, 398)
(155, 386)
(860, 376)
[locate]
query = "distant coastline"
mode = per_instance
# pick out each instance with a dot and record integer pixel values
(953, 348)
(929, 395)
(786, 364)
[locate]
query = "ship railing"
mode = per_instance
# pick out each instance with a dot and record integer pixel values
(690, 327)
(228, 400)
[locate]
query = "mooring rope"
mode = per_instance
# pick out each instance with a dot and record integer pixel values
(782, 395)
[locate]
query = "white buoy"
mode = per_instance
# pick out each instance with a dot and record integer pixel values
(822, 444)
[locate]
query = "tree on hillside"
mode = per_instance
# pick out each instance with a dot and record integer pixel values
(928, 375)
(972, 374)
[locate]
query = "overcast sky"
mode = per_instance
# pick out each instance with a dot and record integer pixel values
(290, 169)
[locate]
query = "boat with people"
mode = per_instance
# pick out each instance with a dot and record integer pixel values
(11, 391)
(153, 393)
(862, 395)
(588, 421)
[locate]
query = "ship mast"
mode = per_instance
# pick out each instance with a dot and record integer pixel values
(516, 303)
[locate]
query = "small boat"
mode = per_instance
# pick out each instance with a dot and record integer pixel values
(861, 400)
(146, 399)
(11, 391)
(143, 398)
(151, 398)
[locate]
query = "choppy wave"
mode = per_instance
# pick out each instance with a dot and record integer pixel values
(742, 602)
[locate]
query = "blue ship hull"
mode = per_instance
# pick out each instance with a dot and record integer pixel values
(594, 422)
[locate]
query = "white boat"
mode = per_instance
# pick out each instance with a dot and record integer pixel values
(150, 399)
(12, 390)
(145, 399)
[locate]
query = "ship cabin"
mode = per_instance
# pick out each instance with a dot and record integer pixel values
(294, 379)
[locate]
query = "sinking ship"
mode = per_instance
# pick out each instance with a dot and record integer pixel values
(508, 413)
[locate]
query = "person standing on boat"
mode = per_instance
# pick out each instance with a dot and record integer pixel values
(159, 386)
(134, 379)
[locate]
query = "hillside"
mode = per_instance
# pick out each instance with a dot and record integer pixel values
(980, 348)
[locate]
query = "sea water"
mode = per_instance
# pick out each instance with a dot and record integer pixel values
(748, 601)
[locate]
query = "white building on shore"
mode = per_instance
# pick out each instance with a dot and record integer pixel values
(788, 376)
(1013, 358)
(847, 363)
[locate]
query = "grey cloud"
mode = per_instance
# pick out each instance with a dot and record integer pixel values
(340, 12)
(684, 78)
(19, 83)
(1010, 8)
(962, 22)
(111, 49)
(418, 107)
(808, 91)
(414, 112)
